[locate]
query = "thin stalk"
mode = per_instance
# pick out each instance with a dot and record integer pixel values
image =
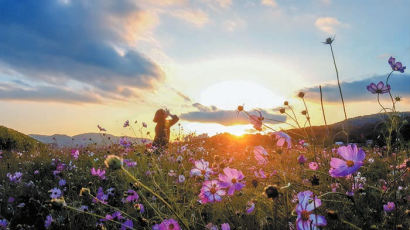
(323, 110)
(378, 100)
(350, 224)
(157, 195)
(338, 81)
(93, 214)
(391, 97)
(296, 119)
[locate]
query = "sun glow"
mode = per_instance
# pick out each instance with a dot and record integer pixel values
(230, 94)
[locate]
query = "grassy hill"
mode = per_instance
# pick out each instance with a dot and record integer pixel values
(362, 128)
(13, 140)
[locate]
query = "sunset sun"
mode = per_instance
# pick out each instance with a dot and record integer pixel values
(230, 94)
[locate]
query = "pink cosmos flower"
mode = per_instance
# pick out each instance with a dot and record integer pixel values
(170, 224)
(259, 153)
(282, 139)
(380, 88)
(225, 226)
(259, 149)
(306, 219)
(256, 121)
(313, 165)
(99, 172)
(353, 160)
(201, 169)
(211, 192)
(260, 174)
(231, 180)
(75, 153)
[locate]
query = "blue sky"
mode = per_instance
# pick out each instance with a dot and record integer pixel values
(103, 62)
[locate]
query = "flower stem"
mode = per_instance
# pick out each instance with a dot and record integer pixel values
(391, 97)
(338, 81)
(157, 195)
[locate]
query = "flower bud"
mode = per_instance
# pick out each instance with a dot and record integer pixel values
(332, 214)
(271, 191)
(240, 108)
(286, 103)
(113, 162)
(301, 94)
(282, 110)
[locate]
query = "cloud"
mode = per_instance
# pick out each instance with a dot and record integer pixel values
(195, 17)
(211, 114)
(215, 4)
(183, 96)
(326, 2)
(356, 91)
(270, 3)
(44, 93)
(234, 24)
(328, 24)
(61, 43)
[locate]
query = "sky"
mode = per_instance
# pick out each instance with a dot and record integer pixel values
(67, 66)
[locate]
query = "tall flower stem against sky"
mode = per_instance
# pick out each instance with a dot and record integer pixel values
(338, 81)
(329, 41)
(391, 97)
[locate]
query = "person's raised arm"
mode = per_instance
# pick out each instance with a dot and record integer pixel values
(174, 120)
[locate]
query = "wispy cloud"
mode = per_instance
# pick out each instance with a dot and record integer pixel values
(196, 17)
(211, 114)
(183, 96)
(269, 3)
(23, 92)
(328, 24)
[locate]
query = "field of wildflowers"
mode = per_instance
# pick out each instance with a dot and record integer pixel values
(295, 182)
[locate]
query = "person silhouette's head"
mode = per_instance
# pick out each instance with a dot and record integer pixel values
(160, 116)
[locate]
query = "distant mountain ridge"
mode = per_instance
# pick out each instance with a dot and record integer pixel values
(84, 139)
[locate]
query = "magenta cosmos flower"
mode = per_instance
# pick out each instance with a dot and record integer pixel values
(380, 88)
(313, 165)
(396, 66)
(231, 179)
(170, 224)
(306, 219)
(98, 172)
(259, 153)
(352, 161)
(201, 169)
(211, 191)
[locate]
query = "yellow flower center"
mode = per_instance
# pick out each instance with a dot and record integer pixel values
(349, 163)
(305, 215)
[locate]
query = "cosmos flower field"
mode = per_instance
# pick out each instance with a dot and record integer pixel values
(289, 183)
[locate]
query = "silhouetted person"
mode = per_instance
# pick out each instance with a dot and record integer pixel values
(162, 129)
